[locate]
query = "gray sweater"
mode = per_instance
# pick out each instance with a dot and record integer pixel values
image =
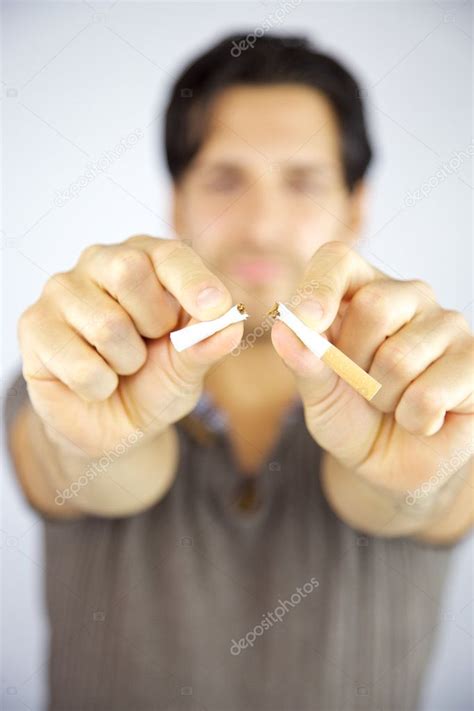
(238, 594)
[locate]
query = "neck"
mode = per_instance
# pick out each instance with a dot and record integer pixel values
(256, 379)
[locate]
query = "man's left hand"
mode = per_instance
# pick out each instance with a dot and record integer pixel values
(421, 353)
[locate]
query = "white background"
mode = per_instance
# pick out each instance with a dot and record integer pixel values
(80, 76)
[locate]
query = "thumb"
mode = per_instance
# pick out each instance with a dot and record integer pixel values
(193, 363)
(169, 384)
(340, 420)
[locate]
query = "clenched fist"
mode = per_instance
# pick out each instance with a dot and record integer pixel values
(97, 357)
(422, 354)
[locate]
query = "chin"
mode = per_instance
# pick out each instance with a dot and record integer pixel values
(259, 299)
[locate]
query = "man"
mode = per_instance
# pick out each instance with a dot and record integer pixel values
(234, 523)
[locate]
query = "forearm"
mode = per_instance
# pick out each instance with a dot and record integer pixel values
(440, 516)
(63, 482)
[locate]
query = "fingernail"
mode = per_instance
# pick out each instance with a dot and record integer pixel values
(209, 297)
(310, 311)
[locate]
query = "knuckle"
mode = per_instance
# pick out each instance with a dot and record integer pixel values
(90, 252)
(423, 398)
(166, 247)
(325, 288)
(391, 356)
(175, 244)
(138, 239)
(112, 327)
(85, 374)
(425, 288)
(33, 317)
(373, 302)
(336, 248)
(454, 319)
(128, 267)
(56, 284)
(194, 283)
(26, 322)
(28, 317)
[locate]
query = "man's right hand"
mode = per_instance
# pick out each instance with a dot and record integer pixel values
(97, 355)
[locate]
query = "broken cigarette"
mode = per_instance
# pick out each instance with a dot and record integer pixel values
(190, 335)
(341, 364)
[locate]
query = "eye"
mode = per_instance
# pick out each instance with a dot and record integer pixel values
(222, 183)
(306, 184)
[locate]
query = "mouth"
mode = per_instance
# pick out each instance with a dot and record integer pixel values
(255, 271)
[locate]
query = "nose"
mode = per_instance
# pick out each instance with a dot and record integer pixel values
(263, 218)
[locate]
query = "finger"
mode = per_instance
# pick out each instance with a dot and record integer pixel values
(377, 311)
(333, 410)
(102, 322)
(127, 274)
(403, 357)
(335, 271)
(56, 352)
(199, 358)
(446, 386)
(178, 376)
(183, 273)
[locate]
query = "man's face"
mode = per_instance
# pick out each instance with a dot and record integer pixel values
(265, 191)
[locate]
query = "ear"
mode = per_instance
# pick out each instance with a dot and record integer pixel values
(357, 207)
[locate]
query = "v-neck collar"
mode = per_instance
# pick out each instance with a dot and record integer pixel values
(217, 420)
(234, 492)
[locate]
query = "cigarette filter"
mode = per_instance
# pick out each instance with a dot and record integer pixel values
(341, 364)
(189, 335)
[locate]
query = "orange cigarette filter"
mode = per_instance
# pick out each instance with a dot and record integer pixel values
(335, 359)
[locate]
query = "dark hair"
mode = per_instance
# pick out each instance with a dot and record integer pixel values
(269, 59)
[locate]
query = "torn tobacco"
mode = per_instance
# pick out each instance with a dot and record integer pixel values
(274, 311)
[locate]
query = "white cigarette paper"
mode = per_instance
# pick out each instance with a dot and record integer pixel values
(316, 343)
(341, 364)
(190, 335)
